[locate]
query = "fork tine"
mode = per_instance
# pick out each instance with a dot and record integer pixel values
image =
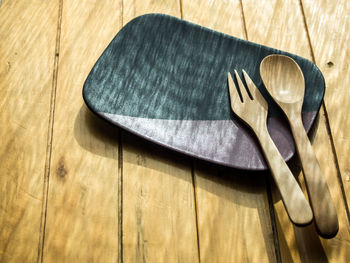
(254, 91)
(234, 95)
(244, 93)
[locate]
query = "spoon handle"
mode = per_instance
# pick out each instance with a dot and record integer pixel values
(325, 214)
(296, 205)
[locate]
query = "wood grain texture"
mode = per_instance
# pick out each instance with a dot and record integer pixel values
(158, 204)
(159, 223)
(134, 8)
(222, 16)
(82, 209)
(329, 25)
(275, 23)
(295, 242)
(27, 54)
(233, 216)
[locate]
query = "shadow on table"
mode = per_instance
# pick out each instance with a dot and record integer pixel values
(94, 135)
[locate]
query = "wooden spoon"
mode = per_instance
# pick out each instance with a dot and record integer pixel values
(284, 81)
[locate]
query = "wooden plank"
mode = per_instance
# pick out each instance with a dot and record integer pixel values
(132, 9)
(82, 209)
(222, 16)
(286, 31)
(233, 214)
(27, 54)
(159, 223)
(267, 28)
(158, 204)
(329, 26)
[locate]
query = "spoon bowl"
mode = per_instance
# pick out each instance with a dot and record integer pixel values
(287, 84)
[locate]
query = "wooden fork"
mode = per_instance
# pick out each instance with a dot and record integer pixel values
(253, 111)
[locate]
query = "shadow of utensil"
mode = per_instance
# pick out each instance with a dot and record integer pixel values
(95, 135)
(309, 244)
(307, 239)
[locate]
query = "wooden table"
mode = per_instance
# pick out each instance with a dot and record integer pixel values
(75, 189)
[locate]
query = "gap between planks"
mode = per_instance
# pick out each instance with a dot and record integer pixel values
(120, 198)
(243, 21)
(181, 9)
(50, 137)
(195, 207)
(273, 218)
(193, 177)
(328, 128)
(120, 173)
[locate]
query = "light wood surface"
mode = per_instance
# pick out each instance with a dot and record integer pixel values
(75, 189)
(27, 55)
(82, 199)
(281, 71)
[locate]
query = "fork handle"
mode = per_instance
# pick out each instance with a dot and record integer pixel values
(326, 219)
(297, 207)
